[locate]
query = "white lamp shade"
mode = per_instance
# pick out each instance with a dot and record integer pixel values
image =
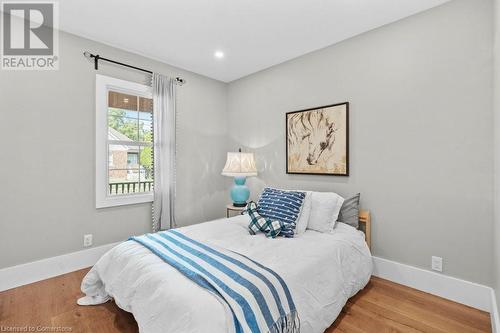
(240, 165)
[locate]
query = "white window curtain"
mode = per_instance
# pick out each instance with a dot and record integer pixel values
(164, 151)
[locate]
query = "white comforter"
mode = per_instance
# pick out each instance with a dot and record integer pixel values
(321, 270)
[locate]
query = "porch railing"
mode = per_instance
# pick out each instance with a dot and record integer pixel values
(130, 187)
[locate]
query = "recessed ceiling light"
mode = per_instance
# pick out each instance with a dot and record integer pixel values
(219, 54)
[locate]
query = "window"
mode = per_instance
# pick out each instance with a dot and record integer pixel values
(124, 139)
(132, 160)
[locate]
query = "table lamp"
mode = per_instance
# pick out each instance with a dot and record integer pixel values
(240, 166)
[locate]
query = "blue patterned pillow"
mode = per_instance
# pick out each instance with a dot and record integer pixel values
(280, 205)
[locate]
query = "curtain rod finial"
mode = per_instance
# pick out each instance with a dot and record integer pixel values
(180, 81)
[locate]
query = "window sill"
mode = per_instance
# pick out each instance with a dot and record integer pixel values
(122, 200)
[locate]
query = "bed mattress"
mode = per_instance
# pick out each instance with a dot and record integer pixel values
(322, 270)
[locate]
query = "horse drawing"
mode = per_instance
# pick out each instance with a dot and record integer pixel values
(314, 126)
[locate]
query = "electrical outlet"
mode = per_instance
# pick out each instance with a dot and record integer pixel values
(87, 240)
(437, 264)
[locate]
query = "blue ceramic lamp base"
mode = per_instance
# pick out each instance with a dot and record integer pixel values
(240, 192)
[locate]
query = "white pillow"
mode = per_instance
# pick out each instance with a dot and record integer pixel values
(305, 212)
(325, 208)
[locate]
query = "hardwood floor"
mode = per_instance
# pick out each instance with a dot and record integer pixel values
(382, 306)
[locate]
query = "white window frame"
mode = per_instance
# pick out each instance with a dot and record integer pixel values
(103, 85)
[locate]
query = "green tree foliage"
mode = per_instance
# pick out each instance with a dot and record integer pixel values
(117, 120)
(146, 156)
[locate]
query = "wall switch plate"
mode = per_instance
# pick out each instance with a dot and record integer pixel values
(87, 240)
(437, 264)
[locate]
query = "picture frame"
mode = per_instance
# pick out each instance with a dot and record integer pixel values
(317, 140)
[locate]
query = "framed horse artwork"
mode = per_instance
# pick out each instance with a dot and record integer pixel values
(317, 140)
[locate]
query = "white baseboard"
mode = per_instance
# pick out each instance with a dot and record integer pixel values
(495, 317)
(15, 276)
(461, 291)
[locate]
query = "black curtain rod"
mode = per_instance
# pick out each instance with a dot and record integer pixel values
(180, 81)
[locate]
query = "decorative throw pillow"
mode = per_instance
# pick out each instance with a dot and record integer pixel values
(280, 205)
(305, 212)
(259, 223)
(325, 208)
(349, 213)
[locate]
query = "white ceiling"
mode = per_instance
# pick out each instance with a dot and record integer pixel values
(253, 34)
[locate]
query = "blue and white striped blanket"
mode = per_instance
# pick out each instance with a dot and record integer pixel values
(258, 297)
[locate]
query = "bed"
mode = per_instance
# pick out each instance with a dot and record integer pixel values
(322, 271)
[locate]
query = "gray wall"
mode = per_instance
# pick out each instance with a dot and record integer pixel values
(47, 130)
(421, 143)
(496, 124)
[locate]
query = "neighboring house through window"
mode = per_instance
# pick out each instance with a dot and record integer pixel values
(124, 137)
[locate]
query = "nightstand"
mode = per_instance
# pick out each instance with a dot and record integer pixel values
(231, 208)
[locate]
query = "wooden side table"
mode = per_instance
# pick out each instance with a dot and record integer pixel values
(231, 208)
